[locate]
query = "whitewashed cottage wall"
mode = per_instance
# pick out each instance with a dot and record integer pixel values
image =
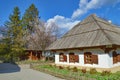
(105, 60)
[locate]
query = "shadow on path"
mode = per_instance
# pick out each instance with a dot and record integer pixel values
(8, 68)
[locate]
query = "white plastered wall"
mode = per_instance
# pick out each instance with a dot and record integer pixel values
(105, 60)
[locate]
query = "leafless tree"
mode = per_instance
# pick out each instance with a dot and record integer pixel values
(42, 36)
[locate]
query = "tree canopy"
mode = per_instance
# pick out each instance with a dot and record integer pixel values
(23, 32)
(29, 17)
(14, 39)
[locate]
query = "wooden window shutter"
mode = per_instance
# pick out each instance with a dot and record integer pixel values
(76, 58)
(95, 59)
(118, 57)
(115, 60)
(71, 57)
(61, 57)
(85, 58)
(65, 58)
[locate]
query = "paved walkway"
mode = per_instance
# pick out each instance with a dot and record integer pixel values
(13, 72)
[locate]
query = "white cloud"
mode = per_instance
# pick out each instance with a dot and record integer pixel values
(84, 6)
(62, 22)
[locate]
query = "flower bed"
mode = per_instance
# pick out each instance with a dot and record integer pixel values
(76, 74)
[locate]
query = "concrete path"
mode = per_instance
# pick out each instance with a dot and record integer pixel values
(13, 72)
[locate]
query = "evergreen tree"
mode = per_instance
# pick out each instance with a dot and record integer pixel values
(14, 39)
(29, 17)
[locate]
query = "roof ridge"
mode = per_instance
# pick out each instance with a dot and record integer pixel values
(94, 20)
(106, 23)
(102, 29)
(88, 31)
(80, 33)
(83, 20)
(80, 23)
(101, 20)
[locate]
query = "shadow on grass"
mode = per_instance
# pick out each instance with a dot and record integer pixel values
(8, 68)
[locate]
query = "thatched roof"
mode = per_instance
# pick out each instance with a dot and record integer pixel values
(92, 31)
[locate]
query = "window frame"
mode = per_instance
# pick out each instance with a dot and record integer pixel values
(73, 58)
(62, 57)
(90, 58)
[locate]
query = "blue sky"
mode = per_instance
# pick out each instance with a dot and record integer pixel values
(64, 13)
(47, 8)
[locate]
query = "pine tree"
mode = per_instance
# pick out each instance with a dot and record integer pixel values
(15, 32)
(29, 18)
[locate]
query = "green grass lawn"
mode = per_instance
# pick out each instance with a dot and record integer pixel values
(77, 75)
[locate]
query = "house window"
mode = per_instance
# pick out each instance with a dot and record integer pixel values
(62, 57)
(116, 57)
(90, 58)
(73, 58)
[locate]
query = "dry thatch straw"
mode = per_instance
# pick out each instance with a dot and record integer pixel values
(91, 32)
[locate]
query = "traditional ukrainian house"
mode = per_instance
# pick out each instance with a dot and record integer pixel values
(94, 42)
(33, 54)
(33, 51)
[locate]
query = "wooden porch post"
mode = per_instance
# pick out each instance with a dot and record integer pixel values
(31, 55)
